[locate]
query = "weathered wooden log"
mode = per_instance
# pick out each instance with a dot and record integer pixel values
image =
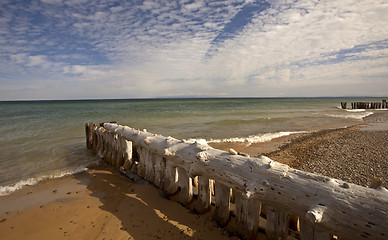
(277, 223)
(247, 216)
(222, 196)
(186, 186)
(351, 211)
(204, 195)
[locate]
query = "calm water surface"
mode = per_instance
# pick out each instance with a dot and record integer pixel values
(44, 139)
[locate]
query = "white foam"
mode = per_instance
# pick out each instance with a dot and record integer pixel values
(5, 190)
(254, 138)
(359, 114)
(355, 110)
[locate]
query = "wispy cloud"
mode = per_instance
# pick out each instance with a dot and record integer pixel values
(85, 48)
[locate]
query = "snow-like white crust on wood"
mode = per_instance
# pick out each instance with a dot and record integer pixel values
(324, 205)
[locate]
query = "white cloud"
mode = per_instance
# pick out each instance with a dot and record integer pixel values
(157, 48)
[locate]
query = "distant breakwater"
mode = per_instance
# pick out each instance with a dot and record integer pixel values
(366, 105)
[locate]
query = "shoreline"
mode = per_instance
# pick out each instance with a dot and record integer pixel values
(101, 203)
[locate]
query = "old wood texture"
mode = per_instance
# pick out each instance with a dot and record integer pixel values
(222, 196)
(325, 206)
(247, 216)
(204, 195)
(277, 223)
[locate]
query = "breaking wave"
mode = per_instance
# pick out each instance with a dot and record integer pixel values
(254, 138)
(5, 190)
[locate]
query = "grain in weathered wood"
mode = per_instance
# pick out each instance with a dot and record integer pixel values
(222, 196)
(204, 195)
(186, 187)
(307, 231)
(143, 158)
(247, 216)
(277, 223)
(159, 169)
(170, 179)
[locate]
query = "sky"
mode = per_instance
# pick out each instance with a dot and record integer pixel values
(86, 49)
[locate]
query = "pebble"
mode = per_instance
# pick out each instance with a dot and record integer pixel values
(348, 154)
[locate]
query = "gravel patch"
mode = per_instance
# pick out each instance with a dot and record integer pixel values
(352, 154)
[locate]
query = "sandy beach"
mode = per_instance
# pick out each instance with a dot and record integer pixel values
(101, 203)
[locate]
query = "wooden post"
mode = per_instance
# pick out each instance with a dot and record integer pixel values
(159, 168)
(141, 166)
(204, 195)
(127, 149)
(222, 195)
(170, 179)
(185, 183)
(277, 223)
(247, 216)
(343, 105)
(307, 231)
(88, 132)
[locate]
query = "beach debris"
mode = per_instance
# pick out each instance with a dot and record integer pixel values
(232, 151)
(55, 191)
(243, 154)
(77, 192)
(68, 193)
(376, 183)
(3, 220)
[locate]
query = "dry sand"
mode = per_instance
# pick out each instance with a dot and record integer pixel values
(99, 204)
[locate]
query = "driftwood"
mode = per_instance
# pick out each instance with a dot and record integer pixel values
(325, 206)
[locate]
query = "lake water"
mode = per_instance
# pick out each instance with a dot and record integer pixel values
(46, 139)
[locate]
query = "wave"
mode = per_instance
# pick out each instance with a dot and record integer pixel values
(5, 190)
(254, 138)
(352, 113)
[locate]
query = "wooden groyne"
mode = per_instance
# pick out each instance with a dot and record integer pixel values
(247, 189)
(366, 105)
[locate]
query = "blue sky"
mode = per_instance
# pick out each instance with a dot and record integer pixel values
(74, 49)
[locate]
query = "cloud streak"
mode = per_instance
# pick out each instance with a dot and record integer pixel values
(115, 49)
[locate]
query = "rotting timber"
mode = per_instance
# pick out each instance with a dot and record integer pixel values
(325, 207)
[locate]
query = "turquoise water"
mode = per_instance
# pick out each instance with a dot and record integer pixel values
(43, 139)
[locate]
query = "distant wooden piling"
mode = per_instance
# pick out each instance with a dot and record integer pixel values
(325, 207)
(366, 105)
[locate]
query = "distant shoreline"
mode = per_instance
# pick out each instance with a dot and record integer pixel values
(186, 98)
